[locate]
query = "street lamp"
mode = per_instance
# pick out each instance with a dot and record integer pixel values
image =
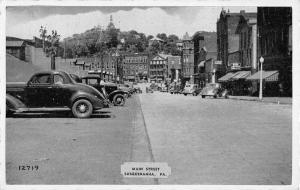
(261, 60)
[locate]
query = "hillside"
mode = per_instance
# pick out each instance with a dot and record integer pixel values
(210, 39)
(19, 71)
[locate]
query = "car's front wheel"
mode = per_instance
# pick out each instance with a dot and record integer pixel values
(119, 100)
(82, 108)
(203, 96)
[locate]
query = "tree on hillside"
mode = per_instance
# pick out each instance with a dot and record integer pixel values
(172, 38)
(43, 35)
(149, 37)
(54, 41)
(162, 36)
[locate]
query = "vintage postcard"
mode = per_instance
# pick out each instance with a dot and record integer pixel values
(156, 93)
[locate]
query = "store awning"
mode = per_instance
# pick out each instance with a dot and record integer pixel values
(201, 64)
(241, 75)
(269, 76)
(226, 77)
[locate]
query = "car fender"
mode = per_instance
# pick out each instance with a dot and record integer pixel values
(83, 95)
(13, 103)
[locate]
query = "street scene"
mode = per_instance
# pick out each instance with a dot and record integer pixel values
(211, 99)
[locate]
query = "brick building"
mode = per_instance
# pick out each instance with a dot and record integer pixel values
(191, 56)
(187, 57)
(136, 67)
(227, 38)
(247, 30)
(275, 46)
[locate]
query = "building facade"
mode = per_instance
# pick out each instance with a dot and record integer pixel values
(135, 67)
(247, 30)
(187, 57)
(158, 68)
(275, 44)
(227, 38)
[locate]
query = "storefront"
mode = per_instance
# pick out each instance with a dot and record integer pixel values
(236, 83)
(271, 86)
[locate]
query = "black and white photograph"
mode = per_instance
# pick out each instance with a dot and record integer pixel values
(149, 95)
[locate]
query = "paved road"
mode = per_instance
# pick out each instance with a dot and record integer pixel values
(219, 141)
(204, 141)
(76, 151)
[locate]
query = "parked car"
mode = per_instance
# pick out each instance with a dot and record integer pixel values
(155, 87)
(110, 90)
(149, 90)
(164, 89)
(214, 90)
(137, 89)
(175, 89)
(126, 88)
(76, 78)
(191, 89)
(53, 89)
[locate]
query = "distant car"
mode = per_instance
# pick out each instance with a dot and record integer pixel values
(191, 89)
(137, 89)
(175, 89)
(149, 90)
(214, 90)
(154, 86)
(164, 89)
(110, 90)
(126, 88)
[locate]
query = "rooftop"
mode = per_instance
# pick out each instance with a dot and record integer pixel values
(14, 43)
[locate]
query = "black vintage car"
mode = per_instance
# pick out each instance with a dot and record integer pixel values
(53, 89)
(110, 90)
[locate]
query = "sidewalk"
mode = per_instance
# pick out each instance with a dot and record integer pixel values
(277, 100)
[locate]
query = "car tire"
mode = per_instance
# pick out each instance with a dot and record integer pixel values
(194, 94)
(203, 96)
(82, 108)
(215, 96)
(185, 94)
(119, 100)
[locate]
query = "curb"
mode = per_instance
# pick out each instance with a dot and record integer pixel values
(255, 100)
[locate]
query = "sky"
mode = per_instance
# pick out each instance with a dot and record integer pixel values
(25, 22)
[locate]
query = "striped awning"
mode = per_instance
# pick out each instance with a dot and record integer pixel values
(241, 75)
(226, 77)
(269, 76)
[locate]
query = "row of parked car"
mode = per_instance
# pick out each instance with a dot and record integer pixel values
(56, 89)
(211, 89)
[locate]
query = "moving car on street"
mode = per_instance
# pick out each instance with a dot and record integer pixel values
(53, 89)
(111, 91)
(191, 89)
(214, 90)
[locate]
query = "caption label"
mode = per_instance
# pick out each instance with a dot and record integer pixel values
(145, 169)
